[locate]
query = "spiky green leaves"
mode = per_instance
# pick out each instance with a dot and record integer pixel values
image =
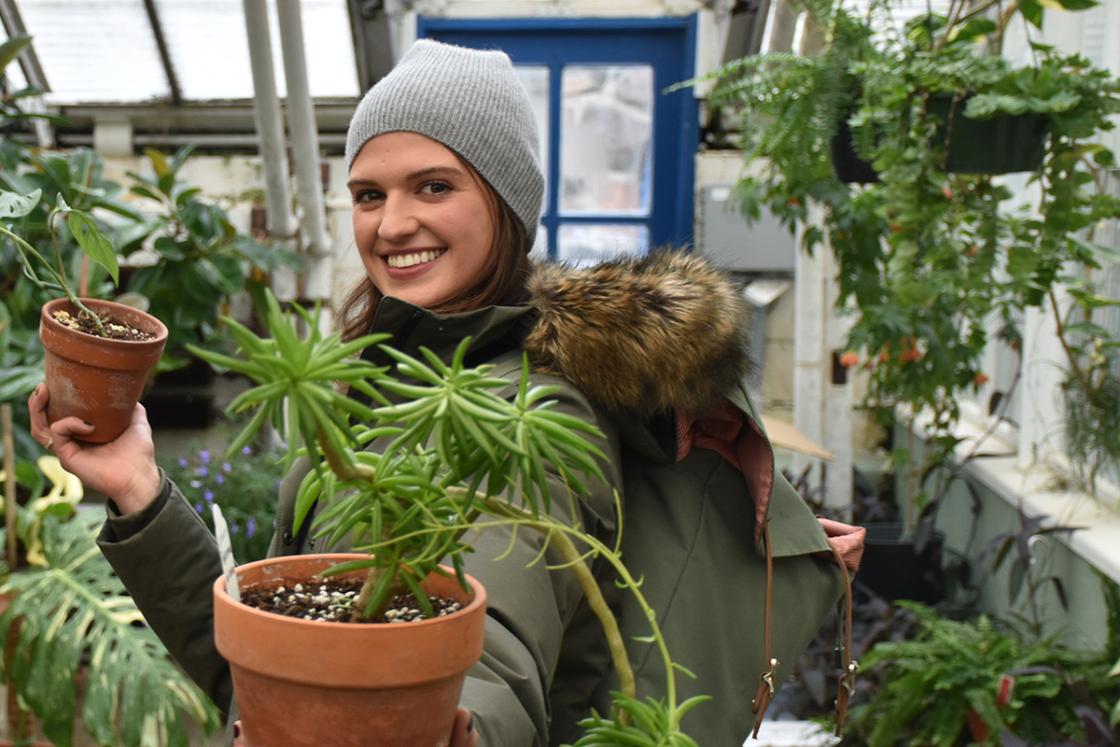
(651, 723)
(445, 432)
(296, 382)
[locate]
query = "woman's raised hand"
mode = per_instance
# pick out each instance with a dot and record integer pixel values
(123, 469)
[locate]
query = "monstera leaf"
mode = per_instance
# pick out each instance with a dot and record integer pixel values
(75, 611)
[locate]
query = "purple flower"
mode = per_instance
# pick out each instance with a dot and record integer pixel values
(203, 471)
(220, 479)
(250, 527)
(182, 461)
(234, 528)
(227, 467)
(204, 455)
(198, 508)
(208, 495)
(196, 484)
(246, 450)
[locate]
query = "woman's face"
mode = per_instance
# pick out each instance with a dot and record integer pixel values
(422, 219)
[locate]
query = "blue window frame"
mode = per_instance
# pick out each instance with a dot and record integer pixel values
(667, 45)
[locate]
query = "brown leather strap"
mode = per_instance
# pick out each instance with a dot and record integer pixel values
(846, 683)
(766, 682)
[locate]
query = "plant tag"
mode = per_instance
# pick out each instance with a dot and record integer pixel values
(225, 550)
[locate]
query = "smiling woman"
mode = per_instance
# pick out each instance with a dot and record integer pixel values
(425, 235)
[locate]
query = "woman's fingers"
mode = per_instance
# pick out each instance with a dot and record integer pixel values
(37, 408)
(63, 433)
(463, 733)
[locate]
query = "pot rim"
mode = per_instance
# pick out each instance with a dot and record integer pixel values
(478, 594)
(46, 318)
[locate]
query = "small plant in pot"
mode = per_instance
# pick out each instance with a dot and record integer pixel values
(449, 457)
(98, 353)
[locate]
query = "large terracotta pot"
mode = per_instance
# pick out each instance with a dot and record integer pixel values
(300, 683)
(96, 379)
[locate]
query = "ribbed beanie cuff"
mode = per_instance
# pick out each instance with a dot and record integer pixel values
(469, 100)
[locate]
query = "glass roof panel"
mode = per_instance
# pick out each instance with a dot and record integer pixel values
(210, 54)
(95, 50)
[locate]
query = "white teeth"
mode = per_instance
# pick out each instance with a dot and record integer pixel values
(408, 260)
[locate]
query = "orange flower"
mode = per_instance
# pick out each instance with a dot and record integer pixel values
(981, 379)
(849, 358)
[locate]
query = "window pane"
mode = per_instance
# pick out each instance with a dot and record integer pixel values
(535, 80)
(95, 50)
(540, 244)
(210, 52)
(605, 141)
(590, 244)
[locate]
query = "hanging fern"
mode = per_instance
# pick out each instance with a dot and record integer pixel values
(76, 612)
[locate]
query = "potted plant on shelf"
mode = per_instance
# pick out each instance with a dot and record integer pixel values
(98, 353)
(449, 452)
(934, 262)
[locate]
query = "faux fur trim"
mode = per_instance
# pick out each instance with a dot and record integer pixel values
(662, 332)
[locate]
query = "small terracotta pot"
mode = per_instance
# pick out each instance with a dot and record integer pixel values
(300, 683)
(96, 379)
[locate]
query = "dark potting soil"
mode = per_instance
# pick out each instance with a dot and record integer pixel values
(114, 329)
(332, 600)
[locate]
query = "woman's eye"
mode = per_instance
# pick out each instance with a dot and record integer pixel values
(366, 195)
(436, 188)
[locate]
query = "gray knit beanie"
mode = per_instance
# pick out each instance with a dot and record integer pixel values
(469, 100)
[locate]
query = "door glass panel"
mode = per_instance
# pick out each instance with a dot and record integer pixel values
(583, 244)
(605, 159)
(535, 80)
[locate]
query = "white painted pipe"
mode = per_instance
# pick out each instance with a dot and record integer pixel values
(305, 152)
(270, 132)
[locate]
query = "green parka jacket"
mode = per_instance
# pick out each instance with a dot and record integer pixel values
(643, 349)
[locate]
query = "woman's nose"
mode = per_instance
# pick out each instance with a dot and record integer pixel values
(397, 220)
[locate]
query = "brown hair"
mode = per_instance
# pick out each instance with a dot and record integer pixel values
(504, 281)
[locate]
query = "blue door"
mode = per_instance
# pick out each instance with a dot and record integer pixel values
(617, 151)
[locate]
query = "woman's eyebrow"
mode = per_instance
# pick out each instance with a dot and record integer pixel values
(411, 176)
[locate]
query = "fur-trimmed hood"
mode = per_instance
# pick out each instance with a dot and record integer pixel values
(662, 332)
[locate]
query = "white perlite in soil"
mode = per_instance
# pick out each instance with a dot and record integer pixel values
(332, 600)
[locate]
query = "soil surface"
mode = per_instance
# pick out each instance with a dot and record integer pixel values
(332, 600)
(114, 329)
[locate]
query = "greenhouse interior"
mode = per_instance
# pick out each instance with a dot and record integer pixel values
(512, 325)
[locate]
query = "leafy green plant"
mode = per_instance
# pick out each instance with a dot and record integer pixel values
(929, 684)
(201, 258)
(74, 613)
(244, 486)
(928, 259)
(451, 455)
(44, 273)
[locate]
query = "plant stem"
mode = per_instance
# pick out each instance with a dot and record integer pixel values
(341, 465)
(9, 485)
(556, 533)
(1079, 374)
(372, 578)
(60, 280)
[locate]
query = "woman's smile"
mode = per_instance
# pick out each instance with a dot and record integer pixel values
(413, 260)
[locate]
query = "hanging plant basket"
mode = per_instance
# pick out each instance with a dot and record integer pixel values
(1002, 144)
(898, 567)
